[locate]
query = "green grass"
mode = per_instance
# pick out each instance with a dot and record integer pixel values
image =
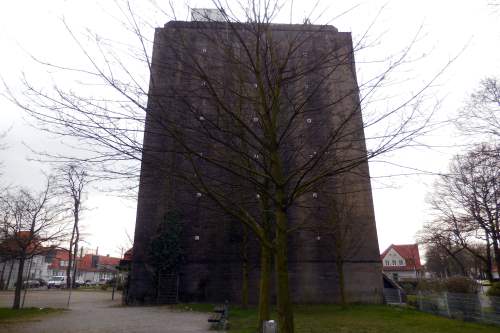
(198, 307)
(8, 315)
(360, 319)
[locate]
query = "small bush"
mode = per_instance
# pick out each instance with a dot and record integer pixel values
(454, 284)
(434, 286)
(461, 284)
(412, 300)
(494, 290)
(410, 287)
(104, 286)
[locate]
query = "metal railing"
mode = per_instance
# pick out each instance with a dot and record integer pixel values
(469, 307)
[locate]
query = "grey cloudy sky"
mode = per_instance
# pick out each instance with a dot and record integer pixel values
(448, 28)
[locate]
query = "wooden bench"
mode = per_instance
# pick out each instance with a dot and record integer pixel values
(220, 316)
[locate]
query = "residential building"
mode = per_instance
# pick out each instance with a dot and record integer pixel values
(90, 267)
(402, 262)
(36, 267)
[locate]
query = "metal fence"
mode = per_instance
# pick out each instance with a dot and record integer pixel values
(469, 307)
(393, 296)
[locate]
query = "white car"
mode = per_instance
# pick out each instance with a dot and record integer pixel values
(57, 282)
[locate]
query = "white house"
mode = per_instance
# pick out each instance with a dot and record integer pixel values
(402, 262)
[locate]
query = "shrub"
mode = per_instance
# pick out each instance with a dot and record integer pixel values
(454, 284)
(409, 287)
(412, 300)
(461, 284)
(434, 286)
(494, 290)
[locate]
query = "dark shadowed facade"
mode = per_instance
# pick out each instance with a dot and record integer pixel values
(211, 241)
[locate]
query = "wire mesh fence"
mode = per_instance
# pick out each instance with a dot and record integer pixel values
(393, 296)
(469, 307)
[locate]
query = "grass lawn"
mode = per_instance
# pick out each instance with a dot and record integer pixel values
(358, 319)
(9, 315)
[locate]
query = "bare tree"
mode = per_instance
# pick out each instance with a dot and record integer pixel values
(450, 237)
(247, 115)
(467, 206)
(72, 182)
(481, 115)
(30, 223)
(346, 234)
(441, 264)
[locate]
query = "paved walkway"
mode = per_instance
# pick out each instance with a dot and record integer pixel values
(93, 312)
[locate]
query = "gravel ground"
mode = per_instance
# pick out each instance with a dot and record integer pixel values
(95, 312)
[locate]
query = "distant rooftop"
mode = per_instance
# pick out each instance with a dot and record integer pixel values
(218, 20)
(207, 15)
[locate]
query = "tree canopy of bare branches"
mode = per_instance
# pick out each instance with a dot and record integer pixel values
(481, 115)
(72, 181)
(466, 203)
(257, 121)
(30, 224)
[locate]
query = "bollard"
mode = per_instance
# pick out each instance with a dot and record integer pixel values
(269, 327)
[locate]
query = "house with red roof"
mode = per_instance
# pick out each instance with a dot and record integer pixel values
(35, 267)
(402, 262)
(90, 267)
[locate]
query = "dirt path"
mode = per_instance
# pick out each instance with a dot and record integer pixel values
(95, 312)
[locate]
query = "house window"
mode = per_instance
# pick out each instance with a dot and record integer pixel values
(387, 262)
(401, 262)
(395, 276)
(394, 263)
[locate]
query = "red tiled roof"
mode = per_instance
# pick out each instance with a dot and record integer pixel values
(410, 254)
(22, 240)
(128, 255)
(89, 262)
(108, 261)
(56, 261)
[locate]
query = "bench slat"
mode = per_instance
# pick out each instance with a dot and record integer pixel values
(215, 318)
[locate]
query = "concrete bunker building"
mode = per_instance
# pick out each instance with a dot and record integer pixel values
(212, 262)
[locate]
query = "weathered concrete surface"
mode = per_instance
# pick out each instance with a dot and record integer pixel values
(211, 240)
(93, 312)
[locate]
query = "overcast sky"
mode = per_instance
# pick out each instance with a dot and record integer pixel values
(469, 29)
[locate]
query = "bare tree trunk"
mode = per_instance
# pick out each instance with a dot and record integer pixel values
(19, 284)
(10, 274)
(244, 283)
(264, 291)
(75, 253)
(2, 281)
(26, 288)
(496, 251)
(284, 303)
(340, 272)
(489, 263)
(70, 257)
(265, 262)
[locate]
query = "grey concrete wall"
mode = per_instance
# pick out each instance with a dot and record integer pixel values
(212, 266)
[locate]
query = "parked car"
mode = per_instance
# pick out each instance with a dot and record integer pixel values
(103, 281)
(57, 282)
(31, 284)
(42, 282)
(90, 283)
(79, 283)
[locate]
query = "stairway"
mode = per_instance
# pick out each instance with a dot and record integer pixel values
(168, 288)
